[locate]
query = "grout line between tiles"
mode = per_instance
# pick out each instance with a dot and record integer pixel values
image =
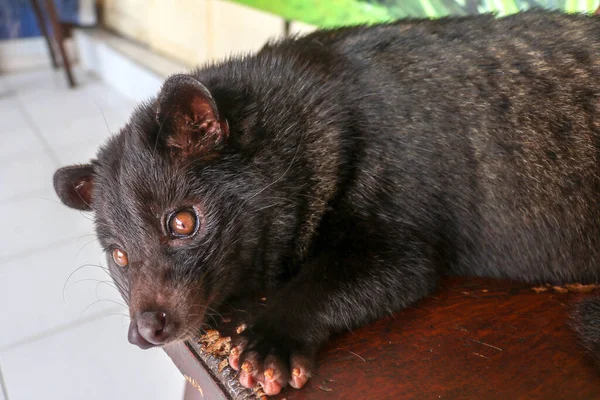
(41, 249)
(10, 157)
(3, 388)
(30, 194)
(59, 329)
(37, 132)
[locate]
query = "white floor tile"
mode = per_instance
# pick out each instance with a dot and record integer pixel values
(91, 130)
(17, 135)
(24, 173)
(92, 362)
(60, 110)
(68, 116)
(55, 348)
(3, 84)
(43, 85)
(36, 81)
(31, 290)
(109, 99)
(78, 153)
(39, 221)
(2, 388)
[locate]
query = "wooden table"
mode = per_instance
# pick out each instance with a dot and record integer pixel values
(474, 339)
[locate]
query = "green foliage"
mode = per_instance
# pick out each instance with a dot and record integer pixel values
(325, 13)
(329, 13)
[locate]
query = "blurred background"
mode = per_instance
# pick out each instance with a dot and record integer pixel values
(71, 71)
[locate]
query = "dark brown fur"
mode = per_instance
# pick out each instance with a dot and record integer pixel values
(348, 170)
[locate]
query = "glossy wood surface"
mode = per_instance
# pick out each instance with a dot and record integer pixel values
(473, 339)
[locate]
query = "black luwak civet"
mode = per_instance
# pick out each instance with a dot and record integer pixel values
(348, 170)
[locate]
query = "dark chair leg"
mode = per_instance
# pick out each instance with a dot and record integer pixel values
(42, 24)
(57, 30)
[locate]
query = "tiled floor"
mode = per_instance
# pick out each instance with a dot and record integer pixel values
(62, 336)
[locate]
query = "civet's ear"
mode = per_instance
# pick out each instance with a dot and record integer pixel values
(74, 186)
(188, 116)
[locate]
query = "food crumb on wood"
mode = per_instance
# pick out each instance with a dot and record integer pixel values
(215, 344)
(209, 336)
(579, 288)
(224, 362)
(540, 289)
(485, 290)
(325, 388)
(570, 287)
(220, 347)
(260, 394)
(194, 384)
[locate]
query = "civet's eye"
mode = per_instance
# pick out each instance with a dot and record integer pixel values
(182, 223)
(120, 257)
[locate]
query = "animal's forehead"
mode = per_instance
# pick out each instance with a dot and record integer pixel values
(134, 187)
